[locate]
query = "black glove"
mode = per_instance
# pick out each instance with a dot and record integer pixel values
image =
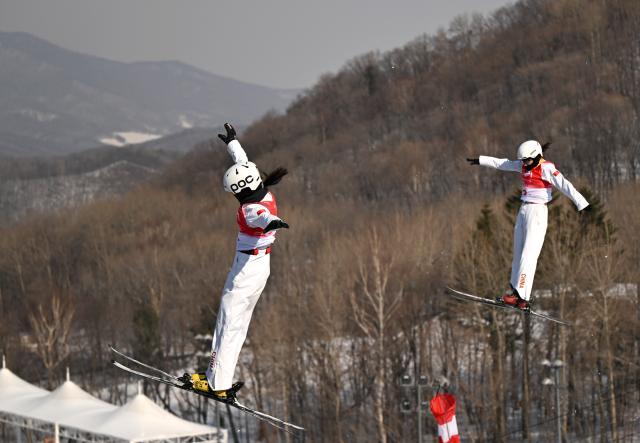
(231, 134)
(585, 215)
(473, 161)
(585, 211)
(276, 224)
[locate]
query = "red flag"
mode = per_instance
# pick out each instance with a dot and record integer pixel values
(443, 408)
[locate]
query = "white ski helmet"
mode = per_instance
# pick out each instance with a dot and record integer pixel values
(529, 149)
(241, 176)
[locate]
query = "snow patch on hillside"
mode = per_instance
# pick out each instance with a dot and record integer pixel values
(128, 138)
(184, 122)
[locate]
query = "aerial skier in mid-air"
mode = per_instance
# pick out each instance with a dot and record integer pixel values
(258, 221)
(538, 177)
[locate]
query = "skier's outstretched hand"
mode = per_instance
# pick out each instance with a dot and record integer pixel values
(231, 134)
(584, 212)
(276, 224)
(585, 215)
(473, 161)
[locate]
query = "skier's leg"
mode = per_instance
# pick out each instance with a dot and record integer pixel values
(242, 290)
(518, 245)
(535, 228)
(260, 283)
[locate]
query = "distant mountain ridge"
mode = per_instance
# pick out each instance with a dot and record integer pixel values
(154, 154)
(45, 184)
(56, 101)
(21, 197)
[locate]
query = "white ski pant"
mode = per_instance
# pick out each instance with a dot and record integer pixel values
(245, 282)
(528, 237)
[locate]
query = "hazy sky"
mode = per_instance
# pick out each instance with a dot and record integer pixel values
(280, 43)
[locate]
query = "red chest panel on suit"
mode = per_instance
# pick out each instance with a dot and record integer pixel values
(533, 178)
(267, 203)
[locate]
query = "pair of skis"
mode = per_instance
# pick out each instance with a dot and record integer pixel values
(496, 304)
(172, 380)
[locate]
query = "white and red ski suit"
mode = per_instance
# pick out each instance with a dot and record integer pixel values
(245, 282)
(531, 223)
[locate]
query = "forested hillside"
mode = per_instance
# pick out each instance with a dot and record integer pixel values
(384, 212)
(42, 185)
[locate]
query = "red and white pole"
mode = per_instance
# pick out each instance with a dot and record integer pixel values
(443, 408)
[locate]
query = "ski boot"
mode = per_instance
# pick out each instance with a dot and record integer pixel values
(513, 299)
(199, 382)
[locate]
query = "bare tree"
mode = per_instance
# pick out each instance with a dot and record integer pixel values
(51, 331)
(374, 303)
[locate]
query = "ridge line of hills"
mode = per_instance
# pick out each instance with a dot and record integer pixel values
(55, 101)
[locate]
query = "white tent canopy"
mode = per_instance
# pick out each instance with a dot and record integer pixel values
(71, 407)
(141, 418)
(68, 401)
(12, 386)
(16, 394)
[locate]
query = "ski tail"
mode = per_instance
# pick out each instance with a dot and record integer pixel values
(171, 380)
(144, 365)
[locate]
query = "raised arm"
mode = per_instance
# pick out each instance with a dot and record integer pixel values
(234, 148)
(500, 163)
(555, 177)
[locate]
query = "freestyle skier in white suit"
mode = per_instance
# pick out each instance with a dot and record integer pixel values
(538, 176)
(258, 221)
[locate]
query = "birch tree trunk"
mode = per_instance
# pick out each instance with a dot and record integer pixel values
(373, 306)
